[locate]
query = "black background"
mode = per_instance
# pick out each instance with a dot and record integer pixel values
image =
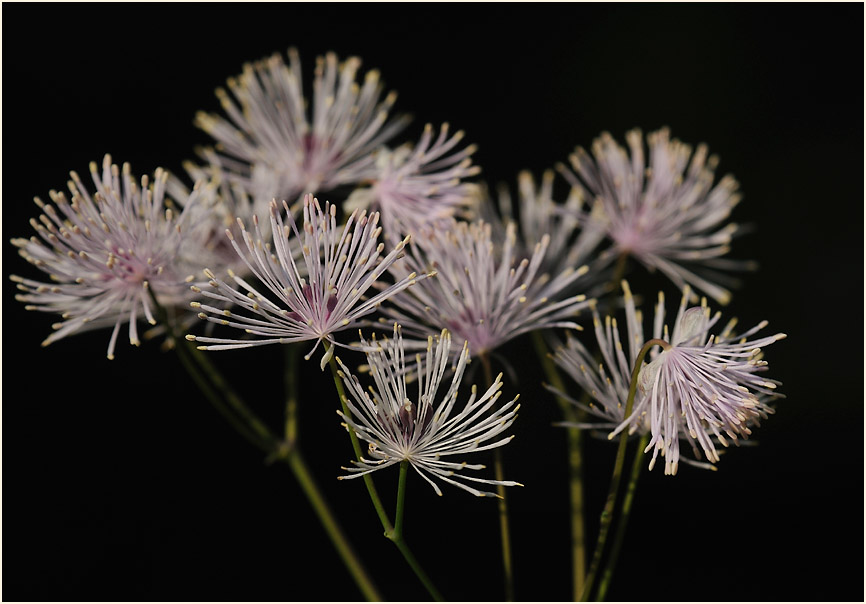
(121, 483)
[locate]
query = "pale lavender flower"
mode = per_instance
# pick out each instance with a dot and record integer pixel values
(268, 123)
(107, 254)
(327, 296)
(573, 229)
(700, 388)
(432, 430)
(483, 293)
(420, 185)
(664, 211)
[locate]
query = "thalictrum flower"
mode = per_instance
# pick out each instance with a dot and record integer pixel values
(107, 254)
(484, 294)
(268, 123)
(328, 296)
(664, 211)
(414, 187)
(700, 388)
(431, 430)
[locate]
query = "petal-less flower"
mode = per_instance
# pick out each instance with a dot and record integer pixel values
(328, 296)
(665, 211)
(268, 123)
(483, 293)
(573, 230)
(432, 430)
(104, 252)
(695, 390)
(418, 186)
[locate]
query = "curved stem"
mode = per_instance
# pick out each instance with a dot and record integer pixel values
(622, 522)
(499, 474)
(391, 531)
(575, 464)
(616, 478)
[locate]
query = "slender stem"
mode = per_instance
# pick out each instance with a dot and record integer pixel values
(499, 474)
(390, 530)
(214, 388)
(293, 458)
(622, 522)
(397, 533)
(616, 478)
(356, 447)
(575, 464)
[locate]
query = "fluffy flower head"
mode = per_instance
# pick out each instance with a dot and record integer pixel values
(104, 252)
(325, 297)
(431, 430)
(664, 211)
(484, 293)
(414, 187)
(268, 123)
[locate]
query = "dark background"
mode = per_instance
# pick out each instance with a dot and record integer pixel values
(121, 483)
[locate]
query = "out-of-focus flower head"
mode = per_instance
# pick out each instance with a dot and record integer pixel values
(573, 229)
(484, 294)
(664, 211)
(432, 430)
(106, 254)
(415, 187)
(268, 123)
(700, 388)
(328, 296)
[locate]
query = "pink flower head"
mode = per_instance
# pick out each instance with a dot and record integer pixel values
(268, 123)
(107, 254)
(312, 302)
(664, 211)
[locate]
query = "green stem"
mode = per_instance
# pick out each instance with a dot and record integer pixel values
(390, 530)
(616, 478)
(397, 533)
(575, 464)
(499, 474)
(622, 523)
(293, 458)
(214, 387)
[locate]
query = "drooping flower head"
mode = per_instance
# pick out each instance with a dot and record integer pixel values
(484, 294)
(664, 211)
(106, 254)
(700, 388)
(325, 296)
(431, 431)
(414, 187)
(268, 123)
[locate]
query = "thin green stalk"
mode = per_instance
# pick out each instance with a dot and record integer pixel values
(499, 474)
(575, 464)
(293, 458)
(616, 478)
(622, 523)
(390, 530)
(397, 533)
(214, 387)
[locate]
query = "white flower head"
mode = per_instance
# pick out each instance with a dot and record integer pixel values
(703, 388)
(484, 293)
(106, 254)
(664, 211)
(312, 144)
(420, 185)
(328, 296)
(700, 389)
(431, 432)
